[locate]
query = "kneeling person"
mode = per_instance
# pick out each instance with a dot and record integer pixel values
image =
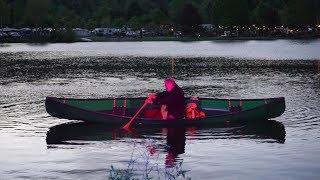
(172, 98)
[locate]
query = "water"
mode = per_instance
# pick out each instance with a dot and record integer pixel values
(272, 50)
(34, 145)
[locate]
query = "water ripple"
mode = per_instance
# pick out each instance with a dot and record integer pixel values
(27, 76)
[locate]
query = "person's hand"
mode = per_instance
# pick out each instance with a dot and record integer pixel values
(148, 101)
(152, 96)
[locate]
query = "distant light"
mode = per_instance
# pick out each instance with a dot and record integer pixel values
(172, 29)
(318, 26)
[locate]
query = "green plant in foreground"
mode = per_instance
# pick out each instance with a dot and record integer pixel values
(145, 165)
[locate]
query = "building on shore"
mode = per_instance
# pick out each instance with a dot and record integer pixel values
(108, 32)
(79, 32)
(208, 27)
(11, 32)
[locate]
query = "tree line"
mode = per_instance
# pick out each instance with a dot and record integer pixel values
(142, 13)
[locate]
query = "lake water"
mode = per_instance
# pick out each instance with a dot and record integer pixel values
(34, 145)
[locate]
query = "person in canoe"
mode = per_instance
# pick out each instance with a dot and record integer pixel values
(172, 100)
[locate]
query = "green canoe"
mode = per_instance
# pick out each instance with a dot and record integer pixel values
(118, 111)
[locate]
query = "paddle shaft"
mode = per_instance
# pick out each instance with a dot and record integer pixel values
(134, 117)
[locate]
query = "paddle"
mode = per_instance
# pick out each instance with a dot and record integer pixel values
(127, 126)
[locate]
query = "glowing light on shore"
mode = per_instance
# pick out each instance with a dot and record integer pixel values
(318, 25)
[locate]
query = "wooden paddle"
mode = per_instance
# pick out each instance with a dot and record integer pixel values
(127, 126)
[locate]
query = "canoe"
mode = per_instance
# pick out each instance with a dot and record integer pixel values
(118, 111)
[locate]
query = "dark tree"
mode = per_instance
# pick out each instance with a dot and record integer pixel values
(253, 4)
(163, 5)
(207, 11)
(301, 12)
(158, 17)
(4, 14)
(36, 12)
(133, 8)
(231, 12)
(190, 16)
(175, 10)
(266, 14)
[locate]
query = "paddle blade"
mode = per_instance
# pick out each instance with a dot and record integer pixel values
(127, 126)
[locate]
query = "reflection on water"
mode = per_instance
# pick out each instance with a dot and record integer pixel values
(148, 144)
(270, 131)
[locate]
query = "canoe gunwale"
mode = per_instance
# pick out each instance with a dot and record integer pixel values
(200, 98)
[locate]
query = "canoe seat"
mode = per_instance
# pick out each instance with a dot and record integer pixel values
(119, 110)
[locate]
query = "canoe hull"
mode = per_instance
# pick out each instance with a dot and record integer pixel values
(57, 107)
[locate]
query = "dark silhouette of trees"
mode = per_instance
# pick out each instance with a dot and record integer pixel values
(101, 13)
(37, 12)
(301, 12)
(266, 13)
(230, 12)
(190, 16)
(4, 13)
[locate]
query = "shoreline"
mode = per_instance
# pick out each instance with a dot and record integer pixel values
(160, 38)
(107, 39)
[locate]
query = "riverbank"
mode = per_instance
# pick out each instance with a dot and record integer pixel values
(168, 38)
(158, 38)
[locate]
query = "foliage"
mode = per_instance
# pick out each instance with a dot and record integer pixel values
(4, 12)
(90, 14)
(230, 12)
(190, 16)
(158, 17)
(206, 10)
(118, 23)
(175, 10)
(266, 13)
(301, 12)
(36, 12)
